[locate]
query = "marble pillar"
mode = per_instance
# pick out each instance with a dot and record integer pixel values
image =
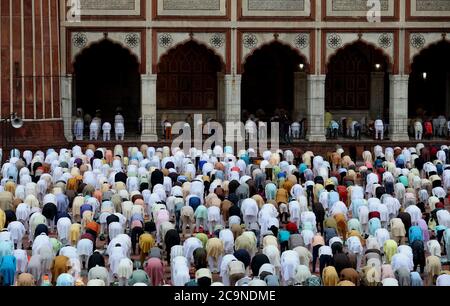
(148, 96)
(66, 106)
(398, 108)
(232, 97)
(315, 108)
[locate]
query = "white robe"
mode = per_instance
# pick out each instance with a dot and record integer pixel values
(85, 247)
(289, 262)
(63, 227)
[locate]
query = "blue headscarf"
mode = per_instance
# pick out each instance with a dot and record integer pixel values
(302, 168)
(375, 224)
(415, 233)
(65, 280)
(416, 280)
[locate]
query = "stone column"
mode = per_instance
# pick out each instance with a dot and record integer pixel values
(376, 95)
(232, 100)
(300, 97)
(148, 104)
(316, 108)
(220, 97)
(398, 108)
(66, 106)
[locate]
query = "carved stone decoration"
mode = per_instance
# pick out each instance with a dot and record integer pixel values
(334, 41)
(301, 41)
(217, 40)
(250, 41)
(385, 40)
(132, 40)
(79, 40)
(418, 41)
(165, 40)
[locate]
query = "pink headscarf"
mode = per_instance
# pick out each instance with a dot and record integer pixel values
(424, 227)
(155, 271)
(386, 271)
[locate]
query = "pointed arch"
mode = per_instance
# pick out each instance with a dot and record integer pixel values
(107, 78)
(429, 93)
(357, 81)
(268, 79)
(187, 77)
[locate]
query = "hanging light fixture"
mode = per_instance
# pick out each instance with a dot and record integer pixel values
(424, 75)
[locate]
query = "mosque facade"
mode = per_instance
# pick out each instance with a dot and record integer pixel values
(163, 59)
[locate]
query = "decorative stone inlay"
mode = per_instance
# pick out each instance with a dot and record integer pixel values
(385, 40)
(250, 41)
(356, 5)
(334, 41)
(301, 41)
(165, 40)
(278, 5)
(107, 5)
(132, 40)
(190, 5)
(418, 41)
(432, 5)
(79, 40)
(217, 40)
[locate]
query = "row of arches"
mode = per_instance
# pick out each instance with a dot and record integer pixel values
(107, 78)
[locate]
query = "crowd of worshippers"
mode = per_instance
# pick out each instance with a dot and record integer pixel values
(155, 216)
(96, 127)
(427, 128)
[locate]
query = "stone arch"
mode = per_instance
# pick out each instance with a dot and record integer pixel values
(269, 81)
(187, 77)
(429, 82)
(107, 78)
(357, 82)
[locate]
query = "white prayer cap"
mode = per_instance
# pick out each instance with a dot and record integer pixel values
(49, 198)
(244, 179)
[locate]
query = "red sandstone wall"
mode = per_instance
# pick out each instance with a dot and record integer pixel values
(29, 37)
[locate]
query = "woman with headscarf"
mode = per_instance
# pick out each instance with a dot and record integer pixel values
(146, 242)
(215, 251)
(59, 266)
(247, 241)
(433, 268)
(330, 276)
(155, 270)
(8, 269)
(416, 280)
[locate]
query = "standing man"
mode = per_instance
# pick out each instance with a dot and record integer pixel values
(379, 129)
(78, 126)
(106, 131)
(119, 125)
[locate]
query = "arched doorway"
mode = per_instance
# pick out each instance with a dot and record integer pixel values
(357, 84)
(187, 82)
(107, 78)
(268, 81)
(429, 82)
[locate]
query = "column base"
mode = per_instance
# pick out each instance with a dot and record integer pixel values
(69, 137)
(399, 137)
(149, 138)
(316, 138)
